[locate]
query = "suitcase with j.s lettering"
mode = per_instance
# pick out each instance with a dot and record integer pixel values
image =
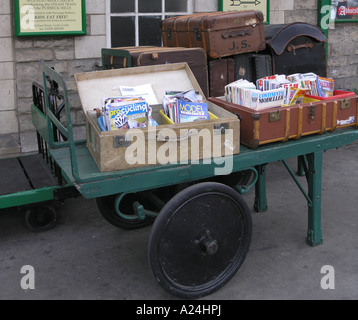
(221, 34)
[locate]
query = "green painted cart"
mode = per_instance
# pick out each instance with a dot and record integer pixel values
(33, 183)
(201, 224)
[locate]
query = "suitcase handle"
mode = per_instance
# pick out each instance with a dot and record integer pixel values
(240, 33)
(307, 45)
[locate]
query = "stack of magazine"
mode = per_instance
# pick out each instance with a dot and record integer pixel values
(278, 90)
(128, 111)
(185, 106)
(245, 93)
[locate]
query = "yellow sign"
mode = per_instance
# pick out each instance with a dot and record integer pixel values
(50, 17)
(244, 5)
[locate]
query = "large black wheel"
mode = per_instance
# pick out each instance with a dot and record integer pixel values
(199, 240)
(41, 218)
(150, 200)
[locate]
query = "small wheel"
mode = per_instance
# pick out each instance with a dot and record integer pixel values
(199, 240)
(41, 218)
(106, 206)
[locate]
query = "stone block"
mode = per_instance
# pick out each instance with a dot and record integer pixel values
(89, 46)
(95, 7)
(5, 25)
(206, 6)
(7, 94)
(28, 141)
(277, 5)
(6, 50)
(98, 25)
(8, 122)
(5, 6)
(6, 71)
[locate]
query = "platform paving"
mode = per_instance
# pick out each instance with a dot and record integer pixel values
(86, 258)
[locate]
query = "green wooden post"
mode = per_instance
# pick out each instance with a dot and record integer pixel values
(260, 189)
(314, 233)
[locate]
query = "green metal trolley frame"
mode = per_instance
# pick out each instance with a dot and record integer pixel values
(80, 170)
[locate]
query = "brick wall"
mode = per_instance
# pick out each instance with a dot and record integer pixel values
(20, 61)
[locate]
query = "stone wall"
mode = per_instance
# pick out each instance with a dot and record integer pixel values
(9, 127)
(20, 61)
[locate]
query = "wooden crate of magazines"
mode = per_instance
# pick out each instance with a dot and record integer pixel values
(167, 143)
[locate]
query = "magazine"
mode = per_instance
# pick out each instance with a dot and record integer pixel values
(191, 111)
(326, 86)
(125, 115)
(184, 106)
(244, 93)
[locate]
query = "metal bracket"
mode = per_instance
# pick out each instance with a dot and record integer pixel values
(312, 113)
(275, 116)
(197, 34)
(345, 104)
(220, 128)
(169, 34)
(120, 142)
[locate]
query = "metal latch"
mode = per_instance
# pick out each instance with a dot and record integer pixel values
(169, 34)
(312, 113)
(220, 128)
(275, 116)
(197, 34)
(120, 142)
(345, 104)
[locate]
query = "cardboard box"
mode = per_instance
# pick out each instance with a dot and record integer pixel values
(184, 143)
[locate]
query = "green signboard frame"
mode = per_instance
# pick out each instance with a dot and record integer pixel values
(242, 5)
(38, 18)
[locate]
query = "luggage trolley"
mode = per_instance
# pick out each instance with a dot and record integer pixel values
(34, 183)
(202, 226)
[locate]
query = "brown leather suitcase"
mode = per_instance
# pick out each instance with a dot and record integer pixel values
(145, 56)
(221, 34)
(175, 30)
(283, 123)
(221, 73)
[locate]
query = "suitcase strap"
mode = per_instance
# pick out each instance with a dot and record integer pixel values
(240, 33)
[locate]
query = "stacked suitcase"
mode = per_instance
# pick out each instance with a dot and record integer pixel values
(230, 39)
(237, 45)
